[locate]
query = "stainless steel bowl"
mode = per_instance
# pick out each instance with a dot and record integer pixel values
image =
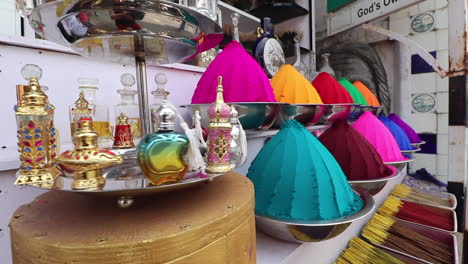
(335, 112)
(253, 116)
(400, 165)
(374, 186)
(418, 145)
(118, 31)
(375, 110)
(306, 114)
(409, 153)
(313, 231)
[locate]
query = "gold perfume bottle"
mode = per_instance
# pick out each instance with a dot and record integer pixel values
(87, 160)
(37, 136)
(128, 106)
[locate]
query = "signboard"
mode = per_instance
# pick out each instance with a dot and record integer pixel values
(333, 5)
(364, 11)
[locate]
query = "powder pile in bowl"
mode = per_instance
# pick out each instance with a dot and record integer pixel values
(357, 96)
(330, 90)
(409, 131)
(371, 99)
(398, 133)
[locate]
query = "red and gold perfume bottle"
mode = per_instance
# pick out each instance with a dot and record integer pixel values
(123, 137)
(219, 134)
(37, 136)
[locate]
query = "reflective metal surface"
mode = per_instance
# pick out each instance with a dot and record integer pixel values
(306, 114)
(418, 145)
(374, 186)
(253, 116)
(400, 165)
(312, 231)
(118, 31)
(335, 112)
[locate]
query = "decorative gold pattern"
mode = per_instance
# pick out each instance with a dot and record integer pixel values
(86, 160)
(123, 134)
(33, 101)
(81, 106)
(221, 147)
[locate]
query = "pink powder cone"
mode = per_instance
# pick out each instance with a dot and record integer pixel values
(379, 136)
(243, 79)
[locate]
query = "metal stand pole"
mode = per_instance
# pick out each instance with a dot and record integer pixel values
(145, 117)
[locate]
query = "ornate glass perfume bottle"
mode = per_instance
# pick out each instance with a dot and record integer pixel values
(298, 64)
(123, 137)
(80, 110)
(161, 154)
(128, 105)
(326, 67)
(99, 113)
(219, 134)
(37, 136)
(87, 160)
(159, 95)
(268, 51)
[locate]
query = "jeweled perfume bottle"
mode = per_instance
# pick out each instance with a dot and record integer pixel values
(128, 106)
(123, 137)
(161, 154)
(159, 95)
(79, 110)
(219, 134)
(87, 160)
(267, 50)
(37, 136)
(326, 67)
(99, 113)
(298, 63)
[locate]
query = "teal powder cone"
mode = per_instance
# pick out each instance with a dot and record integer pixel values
(295, 177)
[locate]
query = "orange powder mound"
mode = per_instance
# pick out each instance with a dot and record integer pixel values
(289, 86)
(370, 97)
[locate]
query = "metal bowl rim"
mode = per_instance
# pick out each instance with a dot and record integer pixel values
(399, 162)
(236, 103)
(369, 205)
(410, 151)
(418, 144)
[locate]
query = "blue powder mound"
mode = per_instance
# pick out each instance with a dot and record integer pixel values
(398, 133)
(297, 178)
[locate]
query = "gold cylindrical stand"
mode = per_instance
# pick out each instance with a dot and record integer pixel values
(212, 223)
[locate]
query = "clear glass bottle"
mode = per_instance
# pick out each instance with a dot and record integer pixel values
(161, 154)
(235, 29)
(159, 94)
(298, 64)
(128, 106)
(99, 113)
(326, 67)
(312, 66)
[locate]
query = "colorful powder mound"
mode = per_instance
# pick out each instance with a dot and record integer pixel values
(398, 133)
(367, 93)
(409, 131)
(330, 90)
(379, 136)
(291, 87)
(357, 96)
(243, 79)
(356, 156)
(296, 178)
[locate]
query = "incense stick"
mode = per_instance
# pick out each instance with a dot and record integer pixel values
(360, 252)
(391, 233)
(409, 193)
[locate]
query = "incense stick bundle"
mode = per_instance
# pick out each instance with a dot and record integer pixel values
(409, 211)
(389, 232)
(360, 252)
(409, 193)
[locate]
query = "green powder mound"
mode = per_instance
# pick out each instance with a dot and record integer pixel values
(357, 96)
(297, 178)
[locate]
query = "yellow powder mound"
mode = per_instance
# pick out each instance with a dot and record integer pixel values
(291, 87)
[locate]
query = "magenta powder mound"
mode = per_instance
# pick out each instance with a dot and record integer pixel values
(379, 136)
(243, 79)
(409, 131)
(356, 156)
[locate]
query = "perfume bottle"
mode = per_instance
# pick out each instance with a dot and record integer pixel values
(99, 113)
(161, 154)
(235, 30)
(312, 67)
(298, 64)
(123, 137)
(128, 106)
(37, 136)
(219, 134)
(159, 95)
(326, 65)
(81, 109)
(267, 50)
(86, 160)
(235, 150)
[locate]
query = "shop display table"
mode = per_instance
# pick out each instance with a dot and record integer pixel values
(212, 223)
